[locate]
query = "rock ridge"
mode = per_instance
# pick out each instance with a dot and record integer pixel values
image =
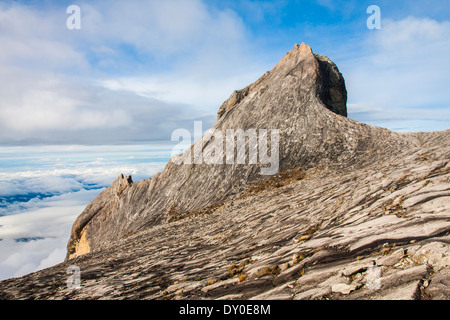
(303, 97)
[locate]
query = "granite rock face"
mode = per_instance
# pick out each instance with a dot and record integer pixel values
(354, 211)
(303, 97)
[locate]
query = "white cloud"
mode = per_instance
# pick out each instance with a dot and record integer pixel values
(35, 39)
(33, 102)
(18, 259)
(64, 173)
(39, 183)
(163, 28)
(210, 49)
(61, 211)
(50, 222)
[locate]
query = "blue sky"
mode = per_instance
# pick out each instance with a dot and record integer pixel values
(137, 70)
(79, 107)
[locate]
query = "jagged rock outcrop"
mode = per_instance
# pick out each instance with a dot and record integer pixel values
(303, 96)
(354, 212)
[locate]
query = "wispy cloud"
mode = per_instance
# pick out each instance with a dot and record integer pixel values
(138, 70)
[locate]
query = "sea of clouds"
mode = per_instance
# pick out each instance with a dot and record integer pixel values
(44, 189)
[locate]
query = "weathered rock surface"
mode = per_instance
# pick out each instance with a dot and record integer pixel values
(295, 97)
(356, 212)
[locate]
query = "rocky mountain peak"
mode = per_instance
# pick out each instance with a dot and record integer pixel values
(350, 211)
